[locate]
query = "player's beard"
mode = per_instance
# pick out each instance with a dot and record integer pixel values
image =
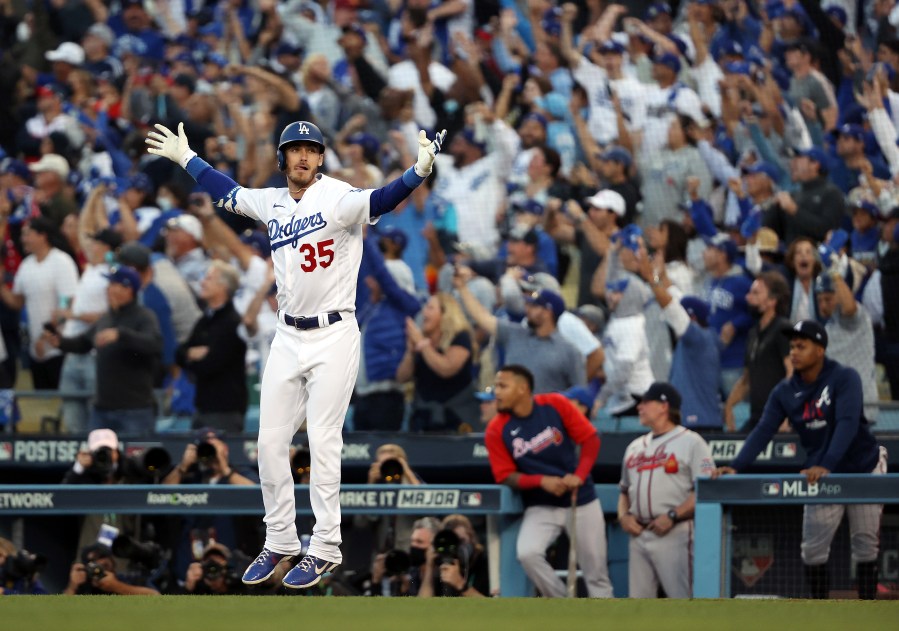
(297, 180)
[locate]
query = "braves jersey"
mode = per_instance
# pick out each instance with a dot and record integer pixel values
(826, 414)
(316, 241)
(658, 472)
(543, 443)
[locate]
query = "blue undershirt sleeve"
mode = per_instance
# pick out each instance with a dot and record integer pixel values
(385, 199)
(216, 183)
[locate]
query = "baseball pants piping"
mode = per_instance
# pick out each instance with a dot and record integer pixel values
(308, 381)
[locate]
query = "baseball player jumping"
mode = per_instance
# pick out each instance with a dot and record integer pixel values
(823, 402)
(315, 229)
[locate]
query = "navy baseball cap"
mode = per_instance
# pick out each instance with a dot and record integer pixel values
(696, 307)
(656, 9)
(668, 59)
(824, 284)
(663, 392)
(866, 206)
(469, 136)
(581, 394)
(738, 67)
(619, 155)
(765, 168)
(15, 167)
(730, 48)
(851, 130)
(289, 49)
(810, 330)
(548, 300)
(125, 276)
(487, 394)
(109, 237)
(530, 206)
(258, 241)
(540, 118)
(397, 236)
(817, 154)
(724, 243)
(837, 12)
(141, 182)
(611, 47)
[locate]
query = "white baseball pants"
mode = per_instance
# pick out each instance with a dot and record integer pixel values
(308, 380)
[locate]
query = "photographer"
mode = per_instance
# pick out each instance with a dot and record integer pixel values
(95, 574)
(19, 570)
(389, 467)
(213, 573)
(205, 461)
(399, 573)
(100, 463)
(392, 467)
(462, 561)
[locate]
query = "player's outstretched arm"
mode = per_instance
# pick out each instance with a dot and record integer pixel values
(385, 199)
(175, 147)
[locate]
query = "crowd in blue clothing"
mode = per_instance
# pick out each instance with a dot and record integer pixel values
(736, 129)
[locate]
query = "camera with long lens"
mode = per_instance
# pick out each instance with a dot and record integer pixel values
(102, 463)
(391, 471)
(145, 553)
(397, 562)
(450, 548)
(23, 566)
(301, 464)
(147, 467)
(94, 570)
(207, 454)
(213, 571)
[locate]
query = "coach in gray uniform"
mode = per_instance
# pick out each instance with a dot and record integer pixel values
(657, 501)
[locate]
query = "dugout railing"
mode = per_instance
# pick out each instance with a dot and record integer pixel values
(499, 504)
(718, 501)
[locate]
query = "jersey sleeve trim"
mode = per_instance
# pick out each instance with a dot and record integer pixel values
(501, 462)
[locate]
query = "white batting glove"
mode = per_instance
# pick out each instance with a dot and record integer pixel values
(427, 151)
(166, 144)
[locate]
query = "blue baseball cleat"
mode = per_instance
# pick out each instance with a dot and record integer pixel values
(308, 572)
(263, 567)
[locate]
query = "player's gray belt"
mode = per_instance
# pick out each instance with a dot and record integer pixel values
(310, 322)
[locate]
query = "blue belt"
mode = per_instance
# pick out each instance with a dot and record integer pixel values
(309, 322)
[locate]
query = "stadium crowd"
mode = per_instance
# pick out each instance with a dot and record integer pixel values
(631, 193)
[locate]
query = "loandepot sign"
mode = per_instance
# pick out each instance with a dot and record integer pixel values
(26, 500)
(177, 499)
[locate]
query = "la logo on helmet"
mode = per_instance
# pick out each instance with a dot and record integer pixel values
(302, 129)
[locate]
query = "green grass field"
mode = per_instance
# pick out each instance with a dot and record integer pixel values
(244, 613)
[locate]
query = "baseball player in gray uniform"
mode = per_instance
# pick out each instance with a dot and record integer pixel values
(657, 499)
(315, 228)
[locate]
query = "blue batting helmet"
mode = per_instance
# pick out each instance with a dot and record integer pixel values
(300, 131)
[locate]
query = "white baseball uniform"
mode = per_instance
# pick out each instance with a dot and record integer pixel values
(309, 376)
(658, 474)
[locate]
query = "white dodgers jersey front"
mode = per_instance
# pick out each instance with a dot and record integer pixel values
(316, 242)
